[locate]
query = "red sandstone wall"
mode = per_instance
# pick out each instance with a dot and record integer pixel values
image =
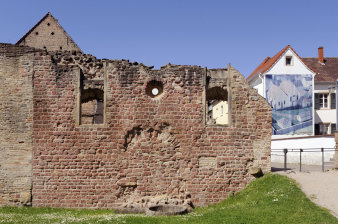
(16, 124)
(147, 146)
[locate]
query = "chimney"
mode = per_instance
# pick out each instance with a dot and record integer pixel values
(321, 54)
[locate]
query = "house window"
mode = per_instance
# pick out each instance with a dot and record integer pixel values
(325, 128)
(333, 100)
(333, 128)
(323, 100)
(288, 60)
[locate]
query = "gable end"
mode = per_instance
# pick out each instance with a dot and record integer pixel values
(48, 35)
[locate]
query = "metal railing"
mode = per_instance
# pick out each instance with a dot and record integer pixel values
(304, 150)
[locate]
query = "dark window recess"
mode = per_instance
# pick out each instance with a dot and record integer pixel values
(92, 106)
(52, 33)
(316, 129)
(333, 128)
(36, 33)
(154, 88)
(317, 101)
(333, 101)
(288, 60)
(48, 24)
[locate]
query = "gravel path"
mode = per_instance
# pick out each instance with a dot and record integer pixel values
(320, 187)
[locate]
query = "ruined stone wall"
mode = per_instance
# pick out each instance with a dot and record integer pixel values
(16, 124)
(252, 121)
(148, 145)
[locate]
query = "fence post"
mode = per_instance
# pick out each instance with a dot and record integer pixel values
(300, 160)
(322, 149)
(285, 159)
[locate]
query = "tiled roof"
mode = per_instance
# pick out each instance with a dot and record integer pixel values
(259, 69)
(268, 62)
(327, 72)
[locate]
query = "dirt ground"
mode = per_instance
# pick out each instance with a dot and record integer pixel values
(320, 187)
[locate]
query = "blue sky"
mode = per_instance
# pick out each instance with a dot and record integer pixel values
(206, 33)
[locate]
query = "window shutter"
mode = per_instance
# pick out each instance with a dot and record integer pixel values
(317, 102)
(333, 128)
(333, 101)
(316, 129)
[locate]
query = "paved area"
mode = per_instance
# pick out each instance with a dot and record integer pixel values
(305, 168)
(320, 187)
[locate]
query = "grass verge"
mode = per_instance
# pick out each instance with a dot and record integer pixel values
(270, 199)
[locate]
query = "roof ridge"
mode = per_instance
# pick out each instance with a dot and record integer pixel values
(317, 57)
(266, 64)
(40, 21)
(263, 67)
(37, 24)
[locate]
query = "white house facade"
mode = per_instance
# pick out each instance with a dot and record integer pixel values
(287, 84)
(220, 112)
(302, 94)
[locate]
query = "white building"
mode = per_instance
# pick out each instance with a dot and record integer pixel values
(220, 112)
(301, 92)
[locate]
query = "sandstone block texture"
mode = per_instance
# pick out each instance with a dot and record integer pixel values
(48, 35)
(145, 135)
(16, 124)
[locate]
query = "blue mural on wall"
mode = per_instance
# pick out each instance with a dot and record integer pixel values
(291, 99)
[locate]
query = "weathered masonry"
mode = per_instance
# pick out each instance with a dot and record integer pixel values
(77, 131)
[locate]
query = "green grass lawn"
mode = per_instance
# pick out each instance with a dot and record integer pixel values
(270, 199)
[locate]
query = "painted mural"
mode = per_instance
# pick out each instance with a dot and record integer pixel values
(291, 99)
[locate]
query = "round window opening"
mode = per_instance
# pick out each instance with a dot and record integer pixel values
(155, 91)
(154, 88)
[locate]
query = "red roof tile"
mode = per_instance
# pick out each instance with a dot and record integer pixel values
(327, 72)
(268, 62)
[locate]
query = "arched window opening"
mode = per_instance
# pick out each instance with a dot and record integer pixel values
(218, 108)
